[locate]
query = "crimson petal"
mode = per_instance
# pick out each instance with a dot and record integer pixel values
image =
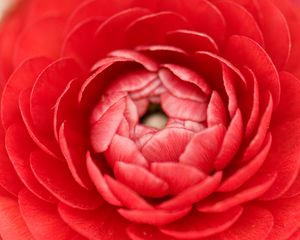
(56, 178)
(200, 225)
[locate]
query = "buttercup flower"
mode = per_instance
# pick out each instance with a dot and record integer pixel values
(81, 83)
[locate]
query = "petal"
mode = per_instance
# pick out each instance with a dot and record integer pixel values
(42, 218)
(141, 232)
(12, 225)
(43, 38)
(252, 190)
(231, 143)
(47, 88)
(166, 145)
(183, 109)
(193, 194)
(153, 217)
(23, 77)
(216, 113)
(122, 149)
(200, 225)
(103, 223)
(138, 32)
(201, 151)
(178, 176)
(56, 178)
(244, 51)
(140, 180)
(18, 150)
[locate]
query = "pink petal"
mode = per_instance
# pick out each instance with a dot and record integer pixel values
(43, 38)
(241, 174)
(96, 174)
(122, 149)
(47, 88)
(252, 190)
(48, 145)
(216, 113)
(56, 178)
(251, 54)
(140, 180)
(153, 217)
(260, 220)
(231, 143)
(103, 223)
(180, 88)
(12, 225)
(178, 176)
(200, 225)
(73, 146)
(134, 56)
(192, 41)
(138, 32)
(19, 146)
(271, 16)
(193, 194)
(263, 127)
(126, 195)
(42, 218)
(188, 75)
(239, 21)
(203, 148)
(79, 43)
(147, 90)
(111, 35)
(166, 145)
(183, 109)
(22, 78)
(106, 125)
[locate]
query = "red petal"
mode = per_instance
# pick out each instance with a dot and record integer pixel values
(180, 88)
(12, 225)
(201, 151)
(47, 88)
(239, 21)
(103, 223)
(153, 217)
(193, 194)
(252, 190)
(145, 232)
(192, 41)
(43, 38)
(263, 127)
(106, 125)
(138, 32)
(122, 149)
(269, 17)
(244, 51)
(19, 146)
(111, 34)
(97, 177)
(73, 146)
(166, 145)
(216, 113)
(42, 218)
(126, 195)
(23, 77)
(260, 220)
(140, 180)
(183, 109)
(243, 173)
(232, 141)
(200, 225)
(56, 178)
(178, 176)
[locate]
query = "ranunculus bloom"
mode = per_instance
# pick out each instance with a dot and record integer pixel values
(81, 78)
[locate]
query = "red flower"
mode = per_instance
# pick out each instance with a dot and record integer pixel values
(80, 81)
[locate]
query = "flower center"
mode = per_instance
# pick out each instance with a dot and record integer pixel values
(154, 117)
